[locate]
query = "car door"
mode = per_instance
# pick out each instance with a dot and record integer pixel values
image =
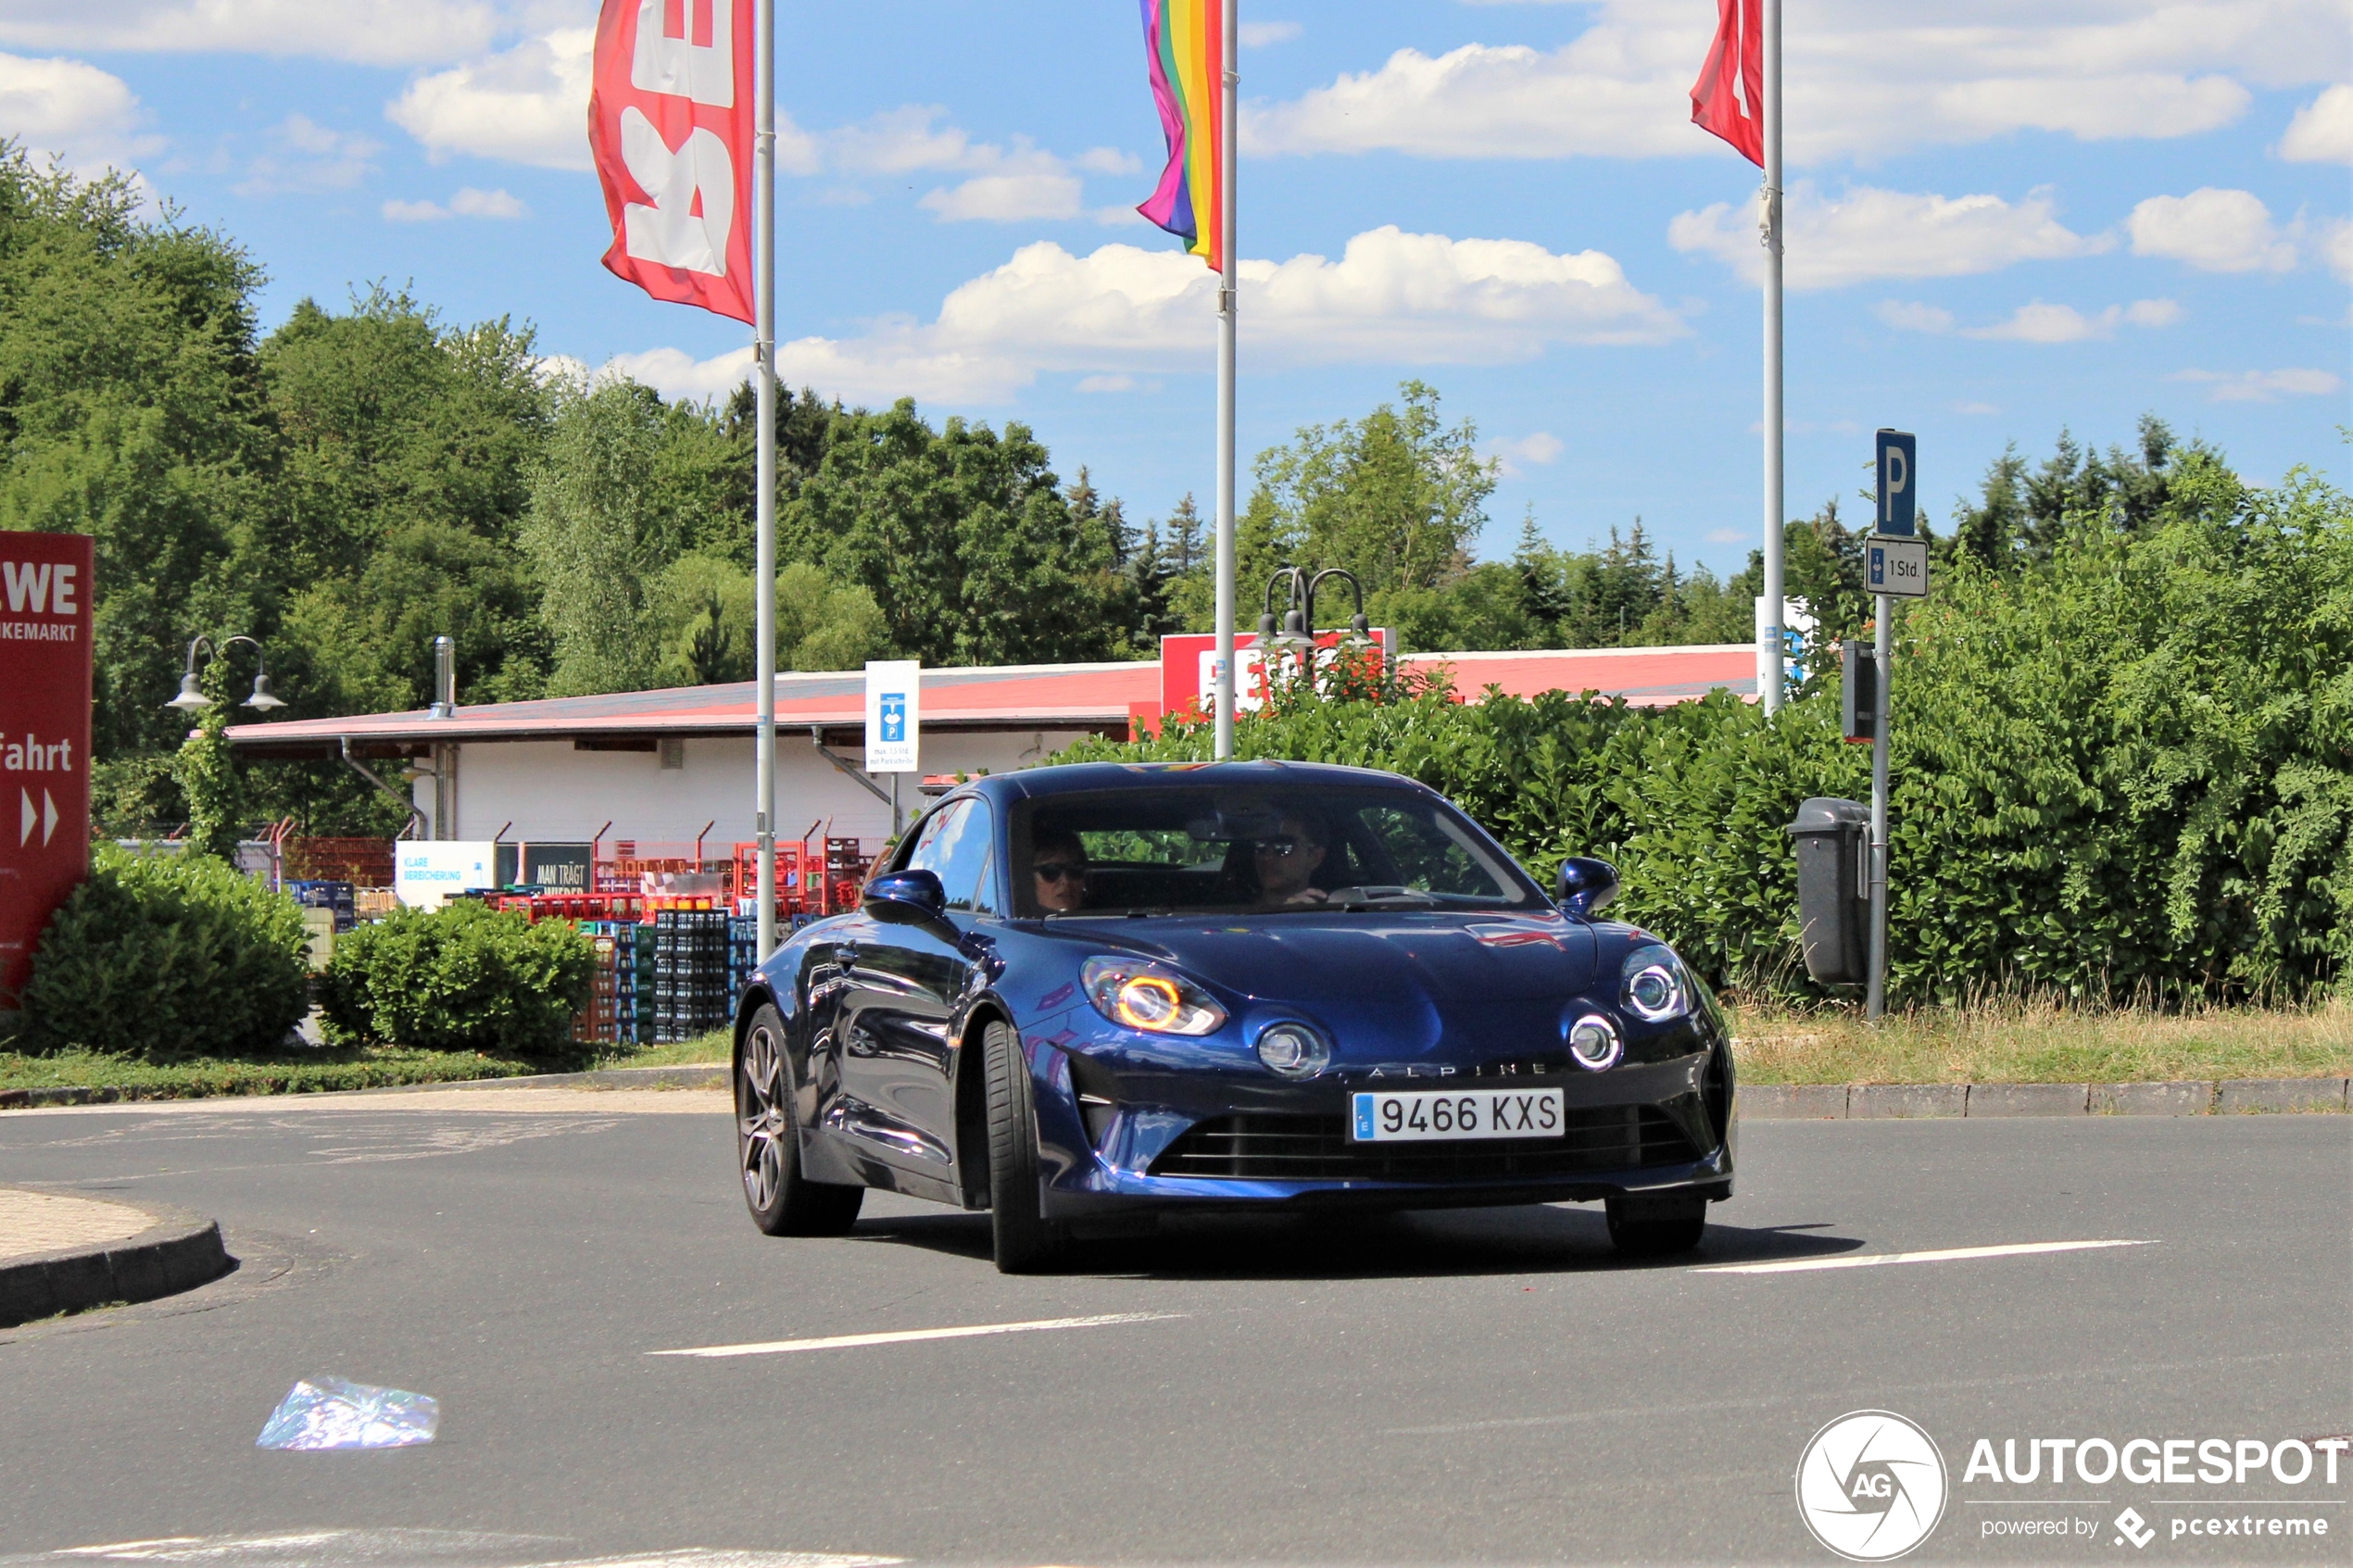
(898, 1059)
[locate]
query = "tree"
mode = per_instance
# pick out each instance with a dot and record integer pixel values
(591, 536)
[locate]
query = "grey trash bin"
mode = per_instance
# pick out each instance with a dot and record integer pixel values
(1834, 901)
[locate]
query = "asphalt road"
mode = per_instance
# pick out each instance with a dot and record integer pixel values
(1462, 1387)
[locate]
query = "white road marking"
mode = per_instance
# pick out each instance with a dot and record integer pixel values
(710, 1557)
(1948, 1255)
(907, 1336)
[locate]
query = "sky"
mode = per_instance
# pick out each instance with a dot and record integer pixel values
(2006, 218)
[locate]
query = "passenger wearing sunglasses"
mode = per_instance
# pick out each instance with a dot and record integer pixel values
(1287, 859)
(1058, 866)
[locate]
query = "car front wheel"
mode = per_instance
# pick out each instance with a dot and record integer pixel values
(1656, 1225)
(783, 1201)
(1026, 1241)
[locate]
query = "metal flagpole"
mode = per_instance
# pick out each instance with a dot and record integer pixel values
(763, 240)
(1769, 664)
(1227, 308)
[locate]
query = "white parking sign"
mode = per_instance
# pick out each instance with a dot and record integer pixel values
(1898, 567)
(893, 716)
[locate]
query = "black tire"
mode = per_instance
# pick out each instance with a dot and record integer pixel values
(1659, 1226)
(1026, 1241)
(783, 1201)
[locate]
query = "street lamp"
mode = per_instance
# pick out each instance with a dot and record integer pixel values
(1295, 635)
(192, 698)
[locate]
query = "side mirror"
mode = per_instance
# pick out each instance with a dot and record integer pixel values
(906, 898)
(1586, 886)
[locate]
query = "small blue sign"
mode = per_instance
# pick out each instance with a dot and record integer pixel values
(894, 717)
(1898, 483)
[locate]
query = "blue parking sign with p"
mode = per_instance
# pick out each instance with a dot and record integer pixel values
(1898, 483)
(894, 717)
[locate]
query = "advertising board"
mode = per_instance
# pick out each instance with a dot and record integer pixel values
(45, 738)
(424, 874)
(1187, 671)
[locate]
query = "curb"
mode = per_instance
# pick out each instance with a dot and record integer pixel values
(701, 1076)
(1791, 1103)
(179, 1252)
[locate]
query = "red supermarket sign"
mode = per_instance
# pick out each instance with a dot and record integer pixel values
(1189, 667)
(45, 738)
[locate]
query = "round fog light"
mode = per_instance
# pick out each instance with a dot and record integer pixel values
(1293, 1051)
(1594, 1043)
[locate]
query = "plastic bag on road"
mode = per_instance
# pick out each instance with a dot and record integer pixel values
(330, 1412)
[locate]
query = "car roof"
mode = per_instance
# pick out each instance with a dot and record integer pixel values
(1073, 778)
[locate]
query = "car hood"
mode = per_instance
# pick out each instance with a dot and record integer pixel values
(1376, 959)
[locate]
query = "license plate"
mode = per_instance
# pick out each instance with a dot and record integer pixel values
(1457, 1113)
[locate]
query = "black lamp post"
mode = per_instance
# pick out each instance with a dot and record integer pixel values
(192, 698)
(1296, 633)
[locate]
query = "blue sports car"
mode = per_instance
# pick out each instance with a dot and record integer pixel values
(1081, 997)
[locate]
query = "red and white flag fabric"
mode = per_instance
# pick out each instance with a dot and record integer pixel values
(669, 124)
(1729, 97)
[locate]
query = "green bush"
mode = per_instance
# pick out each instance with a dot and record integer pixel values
(167, 957)
(463, 978)
(2124, 772)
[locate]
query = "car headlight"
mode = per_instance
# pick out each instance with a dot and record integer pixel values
(1138, 994)
(1594, 1044)
(1293, 1051)
(1653, 984)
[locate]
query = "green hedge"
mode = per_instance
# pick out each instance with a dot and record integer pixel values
(165, 957)
(2128, 772)
(463, 978)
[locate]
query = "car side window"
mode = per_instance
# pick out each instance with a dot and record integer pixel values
(954, 847)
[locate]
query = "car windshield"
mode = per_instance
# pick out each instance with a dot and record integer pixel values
(1263, 850)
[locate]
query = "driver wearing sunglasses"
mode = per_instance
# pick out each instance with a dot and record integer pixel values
(1058, 870)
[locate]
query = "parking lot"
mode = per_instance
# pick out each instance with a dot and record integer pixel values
(1490, 1386)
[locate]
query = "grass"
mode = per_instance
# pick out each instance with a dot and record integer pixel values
(2016, 1042)
(321, 1069)
(2042, 1042)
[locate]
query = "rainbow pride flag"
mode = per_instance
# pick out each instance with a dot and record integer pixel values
(1185, 47)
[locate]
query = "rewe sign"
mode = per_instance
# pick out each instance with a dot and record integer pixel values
(45, 738)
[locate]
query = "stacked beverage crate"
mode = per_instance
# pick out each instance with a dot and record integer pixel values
(611, 1016)
(642, 964)
(690, 973)
(340, 896)
(743, 957)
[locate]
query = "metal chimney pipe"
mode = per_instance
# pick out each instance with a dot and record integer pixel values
(445, 678)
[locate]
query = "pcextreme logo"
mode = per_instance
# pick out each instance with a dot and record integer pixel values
(1872, 1485)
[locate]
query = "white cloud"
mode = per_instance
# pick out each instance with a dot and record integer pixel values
(1391, 297)
(307, 155)
(2211, 230)
(2263, 386)
(1529, 451)
(2323, 129)
(369, 31)
(526, 105)
(1107, 384)
(2336, 246)
(1109, 160)
(73, 111)
(1911, 317)
(1866, 80)
(467, 203)
(1731, 535)
(1258, 35)
(1867, 233)
(1005, 198)
(2034, 322)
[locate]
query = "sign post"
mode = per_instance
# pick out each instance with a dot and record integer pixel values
(894, 724)
(1896, 567)
(44, 739)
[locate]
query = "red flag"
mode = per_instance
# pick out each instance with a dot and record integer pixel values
(1729, 97)
(670, 125)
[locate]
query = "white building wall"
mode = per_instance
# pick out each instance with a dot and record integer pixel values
(549, 793)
